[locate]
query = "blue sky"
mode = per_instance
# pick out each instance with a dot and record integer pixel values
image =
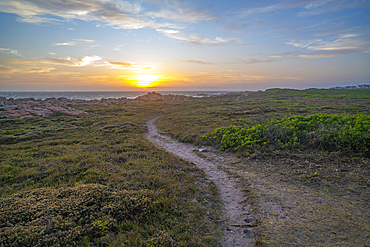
(72, 45)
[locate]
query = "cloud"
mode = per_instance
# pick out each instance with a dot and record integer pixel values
(194, 38)
(128, 65)
(259, 10)
(65, 44)
(88, 60)
(118, 47)
(123, 64)
(84, 40)
(6, 71)
(344, 42)
(15, 66)
(302, 44)
(320, 7)
(75, 42)
(11, 51)
(323, 54)
(67, 61)
(194, 15)
(342, 31)
(197, 62)
(114, 13)
(253, 61)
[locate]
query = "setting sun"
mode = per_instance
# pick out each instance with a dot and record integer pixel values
(144, 81)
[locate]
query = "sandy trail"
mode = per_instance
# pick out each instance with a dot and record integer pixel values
(237, 212)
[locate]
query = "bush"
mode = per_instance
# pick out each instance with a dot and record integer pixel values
(324, 131)
(65, 216)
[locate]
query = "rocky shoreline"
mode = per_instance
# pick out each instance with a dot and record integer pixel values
(29, 107)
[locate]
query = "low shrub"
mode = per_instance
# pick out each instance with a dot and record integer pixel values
(323, 131)
(65, 216)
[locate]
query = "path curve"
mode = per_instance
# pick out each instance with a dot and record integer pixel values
(236, 210)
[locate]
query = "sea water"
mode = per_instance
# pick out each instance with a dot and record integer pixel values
(100, 95)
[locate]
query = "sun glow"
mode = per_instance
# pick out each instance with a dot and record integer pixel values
(144, 81)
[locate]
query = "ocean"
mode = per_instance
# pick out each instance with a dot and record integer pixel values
(100, 95)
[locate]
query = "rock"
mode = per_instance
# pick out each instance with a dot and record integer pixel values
(203, 150)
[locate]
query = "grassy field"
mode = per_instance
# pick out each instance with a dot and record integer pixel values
(94, 180)
(294, 171)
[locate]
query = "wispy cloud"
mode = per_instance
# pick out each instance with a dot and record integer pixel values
(113, 13)
(320, 7)
(323, 54)
(344, 42)
(128, 65)
(194, 38)
(118, 47)
(197, 62)
(13, 66)
(186, 15)
(65, 44)
(10, 51)
(74, 42)
(117, 14)
(253, 61)
(259, 10)
(67, 61)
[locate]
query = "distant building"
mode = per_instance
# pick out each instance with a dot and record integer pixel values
(363, 86)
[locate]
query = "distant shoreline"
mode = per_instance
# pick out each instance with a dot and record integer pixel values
(97, 95)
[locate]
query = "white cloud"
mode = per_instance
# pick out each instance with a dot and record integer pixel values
(302, 44)
(11, 51)
(75, 42)
(344, 42)
(65, 44)
(114, 13)
(85, 40)
(342, 45)
(194, 38)
(88, 60)
(186, 15)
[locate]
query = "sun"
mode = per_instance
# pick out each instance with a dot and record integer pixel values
(144, 81)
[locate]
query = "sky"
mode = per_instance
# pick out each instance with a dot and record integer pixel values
(171, 45)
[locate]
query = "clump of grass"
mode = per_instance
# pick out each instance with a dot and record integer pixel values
(329, 132)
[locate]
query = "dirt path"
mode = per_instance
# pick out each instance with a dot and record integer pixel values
(237, 212)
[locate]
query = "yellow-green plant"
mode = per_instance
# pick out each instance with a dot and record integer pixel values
(329, 132)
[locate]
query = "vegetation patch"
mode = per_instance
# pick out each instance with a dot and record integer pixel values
(94, 180)
(323, 131)
(292, 205)
(65, 216)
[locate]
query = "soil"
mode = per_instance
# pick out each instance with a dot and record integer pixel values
(238, 222)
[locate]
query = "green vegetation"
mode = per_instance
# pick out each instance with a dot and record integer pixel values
(329, 132)
(95, 180)
(309, 191)
(323, 93)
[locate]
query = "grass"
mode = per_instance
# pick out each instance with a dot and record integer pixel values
(95, 180)
(276, 177)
